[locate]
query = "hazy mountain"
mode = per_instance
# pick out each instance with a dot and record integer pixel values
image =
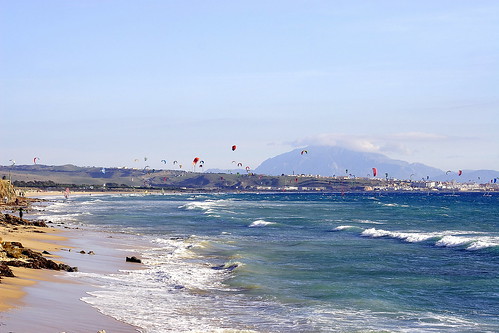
(329, 161)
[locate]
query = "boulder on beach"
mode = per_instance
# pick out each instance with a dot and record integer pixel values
(133, 259)
(5, 270)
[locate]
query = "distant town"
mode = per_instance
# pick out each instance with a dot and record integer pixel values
(60, 178)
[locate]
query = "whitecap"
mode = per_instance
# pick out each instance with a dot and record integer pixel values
(410, 237)
(368, 222)
(480, 245)
(260, 223)
(453, 241)
(343, 227)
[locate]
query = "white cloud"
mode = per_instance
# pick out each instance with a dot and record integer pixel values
(398, 143)
(417, 136)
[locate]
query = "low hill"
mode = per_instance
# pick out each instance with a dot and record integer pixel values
(88, 178)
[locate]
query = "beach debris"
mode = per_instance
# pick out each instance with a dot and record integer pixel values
(91, 252)
(102, 331)
(133, 259)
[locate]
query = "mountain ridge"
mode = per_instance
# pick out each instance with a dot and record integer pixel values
(337, 161)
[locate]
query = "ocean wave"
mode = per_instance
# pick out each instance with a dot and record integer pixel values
(482, 244)
(74, 217)
(453, 241)
(260, 223)
(391, 204)
(344, 227)
(448, 239)
(209, 206)
(367, 221)
(470, 243)
(410, 237)
(91, 202)
(174, 276)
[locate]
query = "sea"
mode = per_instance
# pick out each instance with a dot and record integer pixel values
(297, 262)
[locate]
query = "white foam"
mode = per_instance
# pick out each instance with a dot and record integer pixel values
(410, 237)
(165, 296)
(453, 241)
(394, 205)
(368, 222)
(260, 223)
(480, 245)
(210, 207)
(451, 238)
(344, 227)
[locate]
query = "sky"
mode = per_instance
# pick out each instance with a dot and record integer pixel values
(113, 82)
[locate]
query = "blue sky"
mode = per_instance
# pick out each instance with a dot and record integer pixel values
(105, 82)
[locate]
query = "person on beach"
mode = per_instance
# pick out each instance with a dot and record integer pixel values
(21, 213)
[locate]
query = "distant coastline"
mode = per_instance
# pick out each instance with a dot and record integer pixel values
(40, 179)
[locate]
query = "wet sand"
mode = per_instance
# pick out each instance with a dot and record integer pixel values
(47, 301)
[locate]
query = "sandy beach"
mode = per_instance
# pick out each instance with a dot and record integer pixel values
(11, 288)
(48, 301)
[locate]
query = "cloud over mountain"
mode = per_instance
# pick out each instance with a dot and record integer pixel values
(329, 161)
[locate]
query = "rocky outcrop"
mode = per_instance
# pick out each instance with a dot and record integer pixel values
(16, 255)
(5, 270)
(8, 219)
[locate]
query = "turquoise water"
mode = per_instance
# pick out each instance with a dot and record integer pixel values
(290, 262)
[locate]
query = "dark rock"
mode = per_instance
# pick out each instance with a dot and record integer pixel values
(16, 244)
(91, 252)
(229, 268)
(5, 270)
(30, 259)
(14, 220)
(46, 252)
(82, 252)
(67, 268)
(133, 259)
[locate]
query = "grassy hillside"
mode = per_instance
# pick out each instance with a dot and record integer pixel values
(41, 176)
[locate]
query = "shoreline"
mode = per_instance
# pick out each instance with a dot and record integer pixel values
(48, 301)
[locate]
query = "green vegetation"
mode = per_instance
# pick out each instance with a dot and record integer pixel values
(58, 178)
